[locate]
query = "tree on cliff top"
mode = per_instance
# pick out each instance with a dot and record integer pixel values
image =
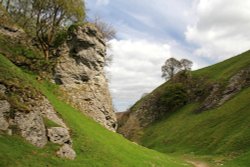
(170, 68)
(44, 18)
(186, 64)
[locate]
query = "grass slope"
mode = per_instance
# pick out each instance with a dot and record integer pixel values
(222, 133)
(95, 146)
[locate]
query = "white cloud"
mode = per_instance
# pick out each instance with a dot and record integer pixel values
(221, 29)
(136, 69)
(204, 31)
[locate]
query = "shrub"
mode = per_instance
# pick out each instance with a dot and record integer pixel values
(173, 97)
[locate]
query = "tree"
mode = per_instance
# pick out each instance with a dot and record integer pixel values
(170, 68)
(51, 16)
(173, 66)
(45, 18)
(186, 64)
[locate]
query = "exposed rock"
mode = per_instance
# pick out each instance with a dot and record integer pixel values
(212, 100)
(4, 112)
(47, 111)
(59, 135)
(66, 151)
(236, 83)
(2, 89)
(219, 96)
(32, 127)
(29, 122)
(131, 123)
(80, 72)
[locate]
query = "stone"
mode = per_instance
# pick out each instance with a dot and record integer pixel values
(66, 151)
(59, 135)
(32, 128)
(80, 73)
(4, 112)
(2, 89)
(9, 132)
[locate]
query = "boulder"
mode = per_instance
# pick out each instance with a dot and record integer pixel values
(32, 127)
(66, 151)
(59, 135)
(4, 112)
(2, 89)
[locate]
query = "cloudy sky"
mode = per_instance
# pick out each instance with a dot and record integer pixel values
(149, 32)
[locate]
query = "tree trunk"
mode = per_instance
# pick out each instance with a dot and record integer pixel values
(8, 5)
(45, 48)
(46, 54)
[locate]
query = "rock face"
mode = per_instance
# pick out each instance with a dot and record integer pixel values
(80, 73)
(131, 123)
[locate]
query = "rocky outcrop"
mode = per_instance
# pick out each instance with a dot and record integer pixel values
(30, 124)
(220, 95)
(80, 74)
(143, 113)
(32, 127)
(236, 83)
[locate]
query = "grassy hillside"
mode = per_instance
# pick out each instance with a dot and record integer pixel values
(222, 133)
(225, 69)
(95, 146)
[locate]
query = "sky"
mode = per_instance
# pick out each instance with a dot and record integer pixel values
(149, 32)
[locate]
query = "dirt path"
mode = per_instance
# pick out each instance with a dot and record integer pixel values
(197, 163)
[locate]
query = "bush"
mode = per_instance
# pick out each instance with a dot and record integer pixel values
(173, 97)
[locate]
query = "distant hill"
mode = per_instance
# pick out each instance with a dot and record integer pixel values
(205, 113)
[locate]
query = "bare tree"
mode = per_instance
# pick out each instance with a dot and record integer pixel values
(105, 28)
(170, 68)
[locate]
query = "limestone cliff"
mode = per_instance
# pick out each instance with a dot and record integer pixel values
(79, 70)
(80, 73)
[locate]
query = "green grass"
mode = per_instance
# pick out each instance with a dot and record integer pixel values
(95, 146)
(220, 133)
(225, 69)
(221, 130)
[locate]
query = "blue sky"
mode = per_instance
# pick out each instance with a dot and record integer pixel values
(149, 32)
